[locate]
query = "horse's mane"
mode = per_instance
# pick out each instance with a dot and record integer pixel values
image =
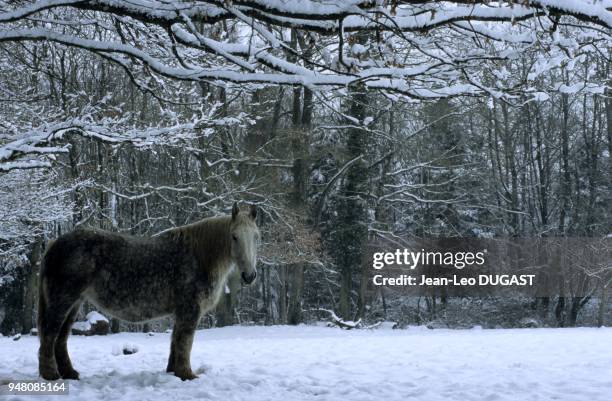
(207, 239)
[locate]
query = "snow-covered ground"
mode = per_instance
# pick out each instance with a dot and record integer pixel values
(318, 363)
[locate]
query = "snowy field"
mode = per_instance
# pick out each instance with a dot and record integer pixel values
(318, 363)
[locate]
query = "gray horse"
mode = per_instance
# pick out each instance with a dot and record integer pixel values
(181, 272)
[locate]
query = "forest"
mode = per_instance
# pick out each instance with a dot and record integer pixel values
(345, 122)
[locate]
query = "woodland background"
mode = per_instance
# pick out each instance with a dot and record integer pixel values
(501, 127)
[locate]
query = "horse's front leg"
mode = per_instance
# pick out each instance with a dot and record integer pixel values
(170, 367)
(186, 321)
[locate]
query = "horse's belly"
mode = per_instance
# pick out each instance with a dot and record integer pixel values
(135, 305)
(131, 310)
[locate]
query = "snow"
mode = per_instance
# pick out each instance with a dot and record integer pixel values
(31, 9)
(593, 8)
(22, 165)
(541, 96)
(82, 326)
(94, 317)
(319, 363)
(37, 140)
(325, 14)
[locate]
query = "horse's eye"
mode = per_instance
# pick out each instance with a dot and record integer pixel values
(234, 237)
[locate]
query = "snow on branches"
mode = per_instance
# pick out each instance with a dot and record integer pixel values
(401, 50)
(93, 124)
(31, 202)
(409, 50)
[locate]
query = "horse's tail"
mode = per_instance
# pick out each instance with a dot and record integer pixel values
(42, 296)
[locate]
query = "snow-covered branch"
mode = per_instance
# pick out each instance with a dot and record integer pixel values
(42, 140)
(179, 40)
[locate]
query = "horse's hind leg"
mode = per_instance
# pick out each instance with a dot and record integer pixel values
(64, 365)
(170, 367)
(56, 309)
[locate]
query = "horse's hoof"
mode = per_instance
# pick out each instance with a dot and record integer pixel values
(186, 375)
(71, 375)
(50, 375)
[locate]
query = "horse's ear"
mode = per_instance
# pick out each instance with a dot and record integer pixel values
(253, 212)
(235, 210)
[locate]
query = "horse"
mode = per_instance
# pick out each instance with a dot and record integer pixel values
(181, 272)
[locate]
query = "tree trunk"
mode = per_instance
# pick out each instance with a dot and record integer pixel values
(602, 304)
(294, 313)
(115, 325)
(31, 286)
(352, 225)
(566, 178)
(511, 165)
(225, 308)
(282, 295)
(560, 311)
(302, 125)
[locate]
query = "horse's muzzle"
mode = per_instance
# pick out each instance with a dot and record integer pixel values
(248, 278)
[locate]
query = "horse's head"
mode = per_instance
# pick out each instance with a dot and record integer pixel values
(244, 240)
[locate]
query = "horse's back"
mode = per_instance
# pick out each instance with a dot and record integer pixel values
(76, 252)
(129, 277)
(105, 246)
